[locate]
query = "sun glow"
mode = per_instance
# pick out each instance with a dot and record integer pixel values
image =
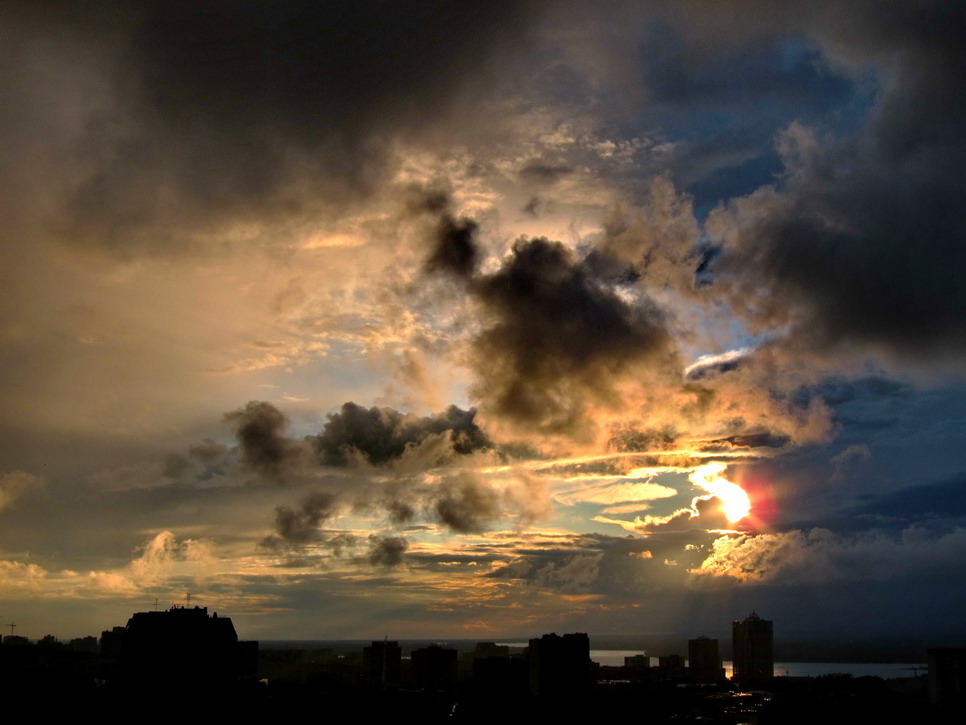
(734, 500)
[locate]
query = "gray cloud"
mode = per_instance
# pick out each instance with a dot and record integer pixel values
(260, 430)
(859, 240)
(619, 567)
(849, 459)
(214, 110)
(204, 460)
(465, 505)
(387, 551)
(556, 335)
(381, 435)
(297, 527)
(819, 555)
(454, 250)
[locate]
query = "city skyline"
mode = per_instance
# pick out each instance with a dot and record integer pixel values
(470, 322)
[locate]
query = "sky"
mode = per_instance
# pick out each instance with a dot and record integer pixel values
(461, 320)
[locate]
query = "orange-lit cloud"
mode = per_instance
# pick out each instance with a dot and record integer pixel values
(733, 498)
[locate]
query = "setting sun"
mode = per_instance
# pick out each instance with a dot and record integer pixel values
(734, 500)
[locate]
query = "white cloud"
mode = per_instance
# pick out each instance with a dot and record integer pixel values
(819, 555)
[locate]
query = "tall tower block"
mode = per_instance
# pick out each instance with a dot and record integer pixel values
(704, 661)
(753, 659)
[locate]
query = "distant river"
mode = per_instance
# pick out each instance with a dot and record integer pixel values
(615, 657)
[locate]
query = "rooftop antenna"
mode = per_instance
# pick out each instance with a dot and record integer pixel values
(155, 604)
(11, 625)
(188, 597)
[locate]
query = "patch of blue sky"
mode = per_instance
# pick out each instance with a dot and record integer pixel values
(724, 113)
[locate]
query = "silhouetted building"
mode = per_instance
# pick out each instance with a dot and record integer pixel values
(49, 641)
(383, 664)
(497, 672)
(704, 662)
(947, 678)
(559, 666)
(491, 649)
(84, 644)
(435, 667)
(638, 662)
(110, 644)
(179, 648)
(110, 650)
(671, 667)
(752, 657)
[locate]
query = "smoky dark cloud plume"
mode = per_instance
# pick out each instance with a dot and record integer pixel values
(260, 431)
(556, 333)
(216, 108)
(455, 251)
(381, 435)
(387, 551)
(465, 505)
(298, 527)
(453, 248)
(857, 249)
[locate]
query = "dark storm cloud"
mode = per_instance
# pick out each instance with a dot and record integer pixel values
(465, 505)
(861, 242)
(838, 391)
(942, 502)
(462, 502)
(616, 566)
(224, 107)
(556, 332)
(387, 551)
(557, 336)
(260, 430)
(782, 75)
(382, 435)
(767, 71)
(297, 527)
(398, 511)
(455, 250)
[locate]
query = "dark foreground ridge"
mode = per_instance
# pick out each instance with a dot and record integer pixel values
(185, 660)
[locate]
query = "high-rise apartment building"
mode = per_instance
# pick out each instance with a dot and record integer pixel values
(704, 662)
(752, 655)
(382, 661)
(559, 666)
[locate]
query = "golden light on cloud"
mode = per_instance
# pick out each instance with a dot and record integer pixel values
(734, 500)
(322, 241)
